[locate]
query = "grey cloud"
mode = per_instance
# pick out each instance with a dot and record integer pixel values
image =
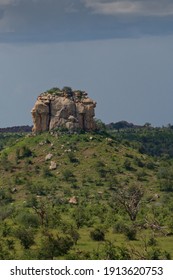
(71, 20)
(133, 7)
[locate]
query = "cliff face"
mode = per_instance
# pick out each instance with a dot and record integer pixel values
(72, 110)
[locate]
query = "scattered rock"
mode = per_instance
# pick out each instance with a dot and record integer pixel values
(155, 197)
(73, 200)
(52, 165)
(109, 140)
(48, 156)
(67, 150)
(14, 190)
(100, 192)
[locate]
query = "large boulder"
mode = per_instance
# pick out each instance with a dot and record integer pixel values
(71, 110)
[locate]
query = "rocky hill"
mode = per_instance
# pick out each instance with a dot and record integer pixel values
(72, 110)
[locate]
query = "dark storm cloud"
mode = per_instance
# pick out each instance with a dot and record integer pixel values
(71, 20)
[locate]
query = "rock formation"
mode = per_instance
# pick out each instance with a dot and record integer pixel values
(69, 109)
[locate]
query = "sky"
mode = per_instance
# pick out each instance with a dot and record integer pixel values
(119, 51)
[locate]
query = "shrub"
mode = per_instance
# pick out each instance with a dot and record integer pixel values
(4, 252)
(6, 164)
(6, 230)
(53, 90)
(158, 254)
(26, 237)
(141, 175)
(152, 241)
(5, 196)
(151, 165)
(166, 185)
(25, 152)
(139, 162)
(68, 175)
(54, 246)
(28, 219)
(97, 234)
(120, 227)
(110, 252)
(46, 172)
(10, 243)
(71, 231)
(67, 89)
(128, 166)
(6, 211)
(131, 233)
(72, 158)
(81, 216)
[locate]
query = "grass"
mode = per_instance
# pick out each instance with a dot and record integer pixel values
(96, 165)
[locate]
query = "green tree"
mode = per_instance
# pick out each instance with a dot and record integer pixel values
(5, 163)
(26, 237)
(53, 246)
(67, 89)
(97, 234)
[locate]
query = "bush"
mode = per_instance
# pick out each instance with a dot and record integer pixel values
(53, 90)
(67, 89)
(139, 162)
(97, 234)
(46, 172)
(4, 252)
(26, 237)
(158, 254)
(68, 175)
(6, 211)
(131, 233)
(166, 185)
(152, 241)
(28, 219)
(6, 164)
(5, 197)
(6, 230)
(151, 165)
(25, 152)
(110, 252)
(71, 231)
(72, 158)
(120, 227)
(54, 246)
(128, 166)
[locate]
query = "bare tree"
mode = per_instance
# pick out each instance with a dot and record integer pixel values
(129, 197)
(41, 212)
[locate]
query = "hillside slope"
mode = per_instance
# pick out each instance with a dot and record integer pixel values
(83, 196)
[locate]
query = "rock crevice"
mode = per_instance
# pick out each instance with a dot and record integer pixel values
(71, 110)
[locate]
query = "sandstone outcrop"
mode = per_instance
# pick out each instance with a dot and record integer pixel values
(72, 110)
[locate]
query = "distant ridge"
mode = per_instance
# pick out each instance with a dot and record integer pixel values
(122, 125)
(23, 128)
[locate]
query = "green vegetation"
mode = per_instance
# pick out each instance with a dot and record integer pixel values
(109, 195)
(58, 91)
(54, 90)
(66, 89)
